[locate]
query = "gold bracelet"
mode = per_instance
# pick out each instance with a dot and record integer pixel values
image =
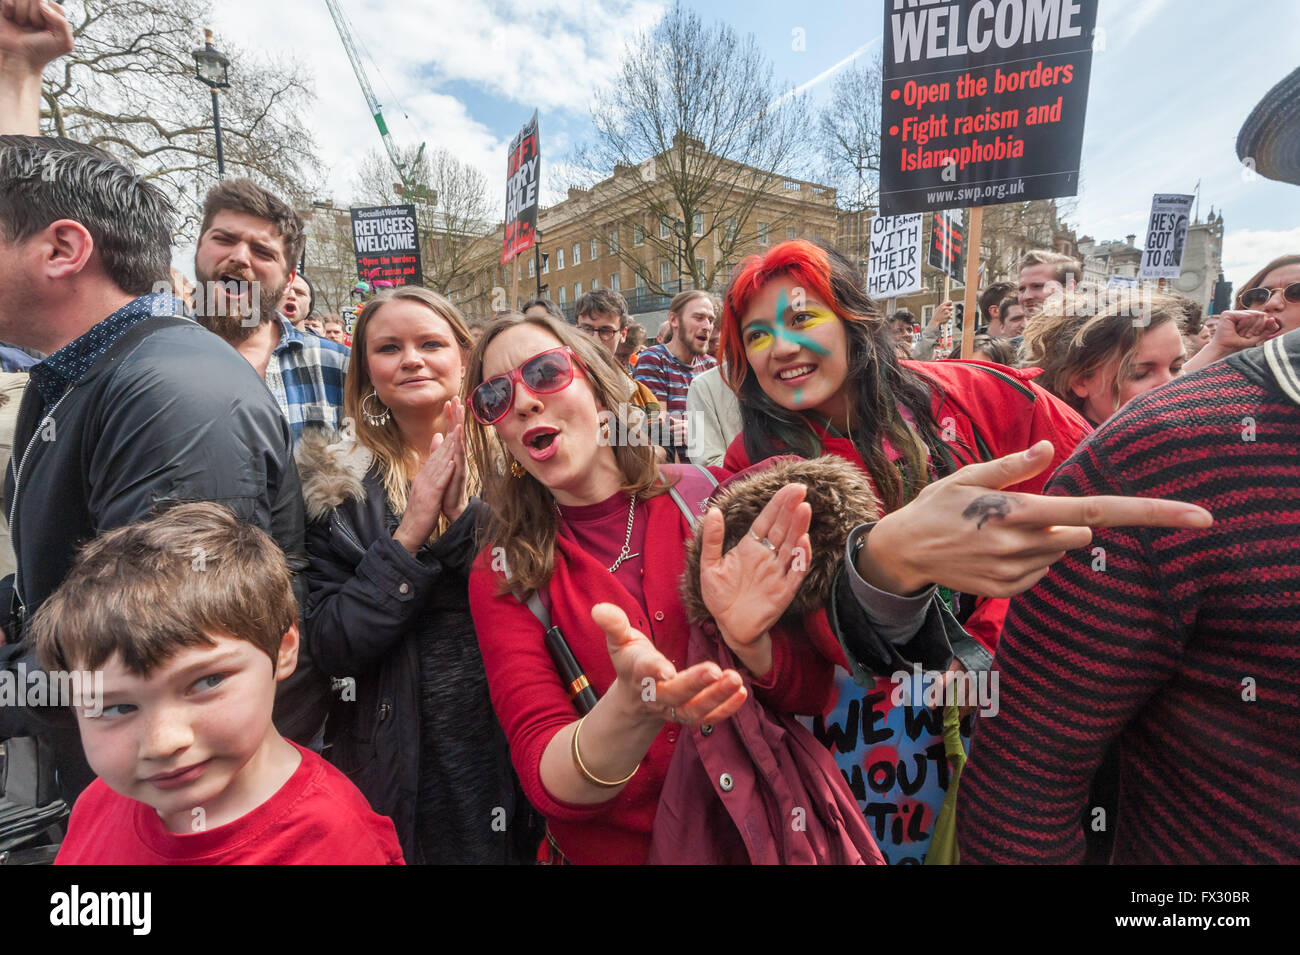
(586, 773)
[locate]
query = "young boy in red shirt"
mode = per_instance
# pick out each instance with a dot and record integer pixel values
(191, 619)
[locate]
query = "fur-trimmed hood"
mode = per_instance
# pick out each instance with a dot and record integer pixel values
(841, 498)
(332, 468)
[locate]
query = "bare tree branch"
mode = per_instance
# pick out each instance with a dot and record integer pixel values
(697, 133)
(130, 87)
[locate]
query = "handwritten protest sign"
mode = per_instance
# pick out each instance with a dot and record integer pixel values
(894, 267)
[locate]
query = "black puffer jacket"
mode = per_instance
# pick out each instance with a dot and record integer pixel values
(414, 728)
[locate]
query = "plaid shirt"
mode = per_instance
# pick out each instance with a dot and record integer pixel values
(305, 374)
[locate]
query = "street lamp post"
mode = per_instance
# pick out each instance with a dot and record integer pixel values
(213, 69)
(679, 230)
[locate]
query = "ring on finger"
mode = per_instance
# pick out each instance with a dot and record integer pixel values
(764, 541)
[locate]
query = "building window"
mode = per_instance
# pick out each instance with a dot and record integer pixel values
(594, 251)
(699, 223)
(559, 258)
(665, 272)
(702, 268)
(731, 228)
(789, 232)
(546, 262)
(577, 253)
(638, 234)
(562, 291)
(665, 228)
(762, 233)
(532, 268)
(614, 282)
(927, 313)
(640, 282)
(613, 242)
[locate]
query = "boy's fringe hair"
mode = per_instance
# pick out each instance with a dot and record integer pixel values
(150, 589)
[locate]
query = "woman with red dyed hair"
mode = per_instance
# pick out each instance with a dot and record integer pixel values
(812, 361)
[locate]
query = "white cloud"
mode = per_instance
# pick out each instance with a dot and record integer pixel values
(826, 73)
(547, 54)
(1246, 251)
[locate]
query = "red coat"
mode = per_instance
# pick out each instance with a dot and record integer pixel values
(533, 706)
(991, 410)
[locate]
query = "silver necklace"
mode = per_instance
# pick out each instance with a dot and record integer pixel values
(624, 554)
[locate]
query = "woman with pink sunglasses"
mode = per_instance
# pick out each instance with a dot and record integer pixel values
(583, 520)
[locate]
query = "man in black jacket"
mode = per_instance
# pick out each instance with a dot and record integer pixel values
(136, 407)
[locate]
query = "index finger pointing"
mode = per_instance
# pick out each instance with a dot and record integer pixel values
(1111, 511)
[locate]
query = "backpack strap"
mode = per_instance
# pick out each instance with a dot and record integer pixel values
(691, 492)
(575, 681)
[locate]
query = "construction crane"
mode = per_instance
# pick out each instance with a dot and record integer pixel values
(409, 188)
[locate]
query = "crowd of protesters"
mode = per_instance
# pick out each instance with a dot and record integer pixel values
(536, 591)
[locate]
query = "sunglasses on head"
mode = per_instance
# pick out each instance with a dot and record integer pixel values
(1255, 297)
(543, 374)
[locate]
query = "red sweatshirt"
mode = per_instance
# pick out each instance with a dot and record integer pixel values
(316, 818)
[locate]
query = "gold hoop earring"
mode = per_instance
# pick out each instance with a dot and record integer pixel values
(374, 420)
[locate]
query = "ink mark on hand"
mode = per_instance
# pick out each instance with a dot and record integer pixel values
(987, 506)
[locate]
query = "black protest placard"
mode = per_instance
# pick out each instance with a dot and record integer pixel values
(947, 241)
(523, 188)
(387, 245)
(983, 101)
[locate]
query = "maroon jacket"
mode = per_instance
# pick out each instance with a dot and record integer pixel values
(756, 788)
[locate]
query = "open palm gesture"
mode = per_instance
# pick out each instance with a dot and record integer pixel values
(748, 588)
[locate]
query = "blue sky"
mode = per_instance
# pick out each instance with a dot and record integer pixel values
(1169, 90)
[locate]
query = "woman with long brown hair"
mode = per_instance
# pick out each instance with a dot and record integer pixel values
(584, 522)
(957, 453)
(390, 540)
(1096, 357)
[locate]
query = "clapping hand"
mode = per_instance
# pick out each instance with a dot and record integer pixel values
(439, 485)
(456, 498)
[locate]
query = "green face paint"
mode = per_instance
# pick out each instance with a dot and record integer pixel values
(759, 336)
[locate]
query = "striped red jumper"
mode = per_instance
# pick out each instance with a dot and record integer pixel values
(1183, 645)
